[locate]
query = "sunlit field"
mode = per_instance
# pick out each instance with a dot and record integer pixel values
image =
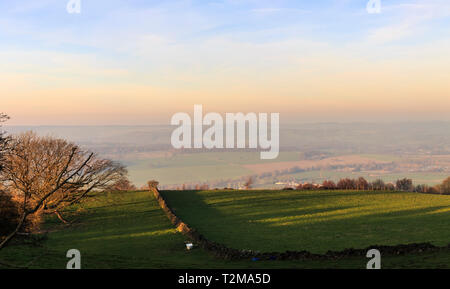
(316, 221)
(129, 230)
(126, 230)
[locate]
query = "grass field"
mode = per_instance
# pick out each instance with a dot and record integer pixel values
(317, 221)
(129, 230)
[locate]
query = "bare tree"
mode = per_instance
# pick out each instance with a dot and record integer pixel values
(50, 174)
(404, 185)
(346, 184)
(152, 184)
(444, 188)
(3, 139)
(423, 188)
(329, 185)
(362, 184)
(123, 184)
(378, 185)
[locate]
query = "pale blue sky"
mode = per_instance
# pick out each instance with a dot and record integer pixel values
(45, 24)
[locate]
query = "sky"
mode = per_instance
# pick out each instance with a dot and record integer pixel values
(139, 62)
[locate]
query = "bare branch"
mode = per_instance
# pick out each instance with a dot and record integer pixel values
(52, 173)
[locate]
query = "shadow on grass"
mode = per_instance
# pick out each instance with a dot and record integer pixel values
(336, 227)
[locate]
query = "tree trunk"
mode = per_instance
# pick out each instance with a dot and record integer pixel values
(14, 233)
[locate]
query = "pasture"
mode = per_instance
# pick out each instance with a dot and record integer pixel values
(129, 230)
(317, 221)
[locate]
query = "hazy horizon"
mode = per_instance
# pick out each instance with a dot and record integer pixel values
(8, 124)
(420, 151)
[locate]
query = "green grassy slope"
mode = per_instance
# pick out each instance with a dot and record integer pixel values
(126, 231)
(114, 231)
(129, 230)
(317, 221)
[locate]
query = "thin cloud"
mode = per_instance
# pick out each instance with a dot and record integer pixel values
(408, 20)
(267, 11)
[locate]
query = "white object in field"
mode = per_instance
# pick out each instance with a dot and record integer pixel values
(189, 246)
